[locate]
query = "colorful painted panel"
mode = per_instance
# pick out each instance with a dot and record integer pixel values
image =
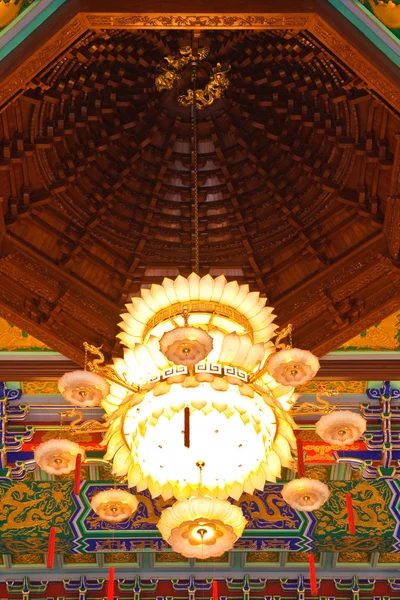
(386, 11)
(28, 510)
(13, 339)
(384, 335)
(10, 10)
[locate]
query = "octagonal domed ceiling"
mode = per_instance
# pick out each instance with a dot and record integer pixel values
(295, 168)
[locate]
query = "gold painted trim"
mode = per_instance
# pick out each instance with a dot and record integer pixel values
(198, 307)
(16, 83)
(355, 61)
(197, 21)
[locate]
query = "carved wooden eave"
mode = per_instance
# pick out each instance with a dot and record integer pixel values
(90, 209)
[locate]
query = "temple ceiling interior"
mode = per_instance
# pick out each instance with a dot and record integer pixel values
(297, 175)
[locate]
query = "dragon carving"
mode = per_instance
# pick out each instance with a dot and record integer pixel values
(169, 75)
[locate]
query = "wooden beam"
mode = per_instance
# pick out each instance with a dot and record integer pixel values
(359, 369)
(37, 369)
(343, 369)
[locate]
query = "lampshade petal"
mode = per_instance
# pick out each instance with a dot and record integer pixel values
(194, 285)
(219, 286)
(238, 299)
(206, 287)
(169, 289)
(182, 289)
(230, 347)
(230, 292)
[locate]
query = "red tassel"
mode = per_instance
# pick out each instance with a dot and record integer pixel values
(313, 578)
(215, 590)
(77, 480)
(51, 548)
(301, 470)
(110, 585)
(186, 428)
(350, 514)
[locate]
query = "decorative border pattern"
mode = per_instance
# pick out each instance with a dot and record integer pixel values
(202, 21)
(355, 61)
(16, 82)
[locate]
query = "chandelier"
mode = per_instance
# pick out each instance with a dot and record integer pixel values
(197, 407)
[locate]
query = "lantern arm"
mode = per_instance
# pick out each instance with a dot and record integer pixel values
(321, 407)
(97, 366)
(77, 427)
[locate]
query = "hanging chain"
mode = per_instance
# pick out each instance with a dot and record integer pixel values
(195, 171)
(200, 464)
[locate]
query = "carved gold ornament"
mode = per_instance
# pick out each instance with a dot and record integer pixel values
(168, 76)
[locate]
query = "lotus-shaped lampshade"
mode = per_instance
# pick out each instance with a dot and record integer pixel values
(186, 345)
(83, 388)
(232, 296)
(58, 457)
(341, 427)
(293, 366)
(202, 526)
(305, 494)
(114, 505)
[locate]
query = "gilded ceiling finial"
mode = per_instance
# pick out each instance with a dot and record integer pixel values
(169, 75)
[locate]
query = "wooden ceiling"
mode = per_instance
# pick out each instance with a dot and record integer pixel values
(299, 169)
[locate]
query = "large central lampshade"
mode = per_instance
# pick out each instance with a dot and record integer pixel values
(239, 426)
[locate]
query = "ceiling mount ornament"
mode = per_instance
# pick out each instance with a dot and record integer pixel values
(169, 76)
